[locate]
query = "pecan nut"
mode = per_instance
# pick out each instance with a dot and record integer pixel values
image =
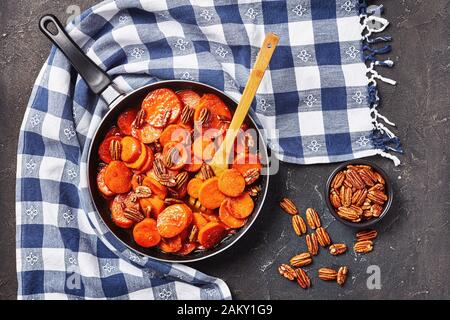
(181, 179)
(349, 214)
(115, 149)
(338, 180)
(299, 225)
(342, 275)
(355, 180)
(377, 196)
(206, 171)
(288, 206)
(302, 278)
(334, 199)
(204, 116)
(364, 246)
(253, 191)
(301, 260)
(337, 249)
(358, 197)
(142, 192)
(312, 244)
(251, 175)
(346, 196)
(172, 201)
(366, 235)
(312, 217)
(380, 179)
(327, 274)
(367, 176)
(323, 237)
(376, 210)
(133, 214)
(187, 115)
(139, 121)
(287, 272)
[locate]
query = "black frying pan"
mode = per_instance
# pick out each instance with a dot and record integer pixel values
(100, 83)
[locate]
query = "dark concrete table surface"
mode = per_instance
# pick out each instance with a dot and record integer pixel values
(413, 248)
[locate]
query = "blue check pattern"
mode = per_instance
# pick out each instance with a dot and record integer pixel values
(312, 102)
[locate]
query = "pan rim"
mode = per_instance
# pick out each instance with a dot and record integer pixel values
(90, 154)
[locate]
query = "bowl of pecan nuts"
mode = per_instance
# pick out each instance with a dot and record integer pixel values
(358, 193)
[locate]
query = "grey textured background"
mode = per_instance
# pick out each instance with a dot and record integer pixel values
(413, 249)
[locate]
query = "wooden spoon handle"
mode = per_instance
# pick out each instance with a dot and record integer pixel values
(262, 62)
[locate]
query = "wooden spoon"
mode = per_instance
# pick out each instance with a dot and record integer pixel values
(220, 161)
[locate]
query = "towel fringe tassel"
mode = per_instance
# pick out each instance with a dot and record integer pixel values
(384, 140)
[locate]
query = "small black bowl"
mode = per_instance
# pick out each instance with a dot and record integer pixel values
(388, 190)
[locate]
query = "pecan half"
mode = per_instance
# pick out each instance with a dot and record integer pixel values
(299, 225)
(358, 197)
(287, 272)
(366, 205)
(378, 186)
(171, 201)
(156, 147)
(338, 180)
(377, 196)
(312, 244)
(379, 178)
(312, 217)
(253, 191)
(187, 115)
(348, 214)
(302, 278)
(171, 158)
(251, 175)
(143, 192)
(364, 246)
(342, 275)
(337, 249)
(193, 234)
(367, 176)
(301, 260)
(366, 235)
(346, 196)
(206, 171)
(140, 119)
(376, 210)
(327, 274)
(204, 116)
(288, 206)
(323, 237)
(133, 215)
(334, 199)
(355, 180)
(115, 149)
(181, 179)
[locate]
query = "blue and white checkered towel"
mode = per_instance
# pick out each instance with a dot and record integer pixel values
(315, 101)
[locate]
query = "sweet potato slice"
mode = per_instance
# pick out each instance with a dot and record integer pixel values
(146, 234)
(131, 149)
(155, 204)
(171, 245)
(209, 194)
(203, 148)
(157, 188)
(146, 134)
(101, 184)
(118, 177)
(162, 107)
(148, 165)
(199, 220)
(193, 187)
(231, 183)
(211, 234)
(117, 212)
(241, 207)
(125, 121)
(141, 160)
(176, 133)
(103, 150)
(173, 220)
(114, 131)
(227, 218)
(189, 98)
(194, 165)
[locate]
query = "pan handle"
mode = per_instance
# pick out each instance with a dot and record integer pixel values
(97, 80)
